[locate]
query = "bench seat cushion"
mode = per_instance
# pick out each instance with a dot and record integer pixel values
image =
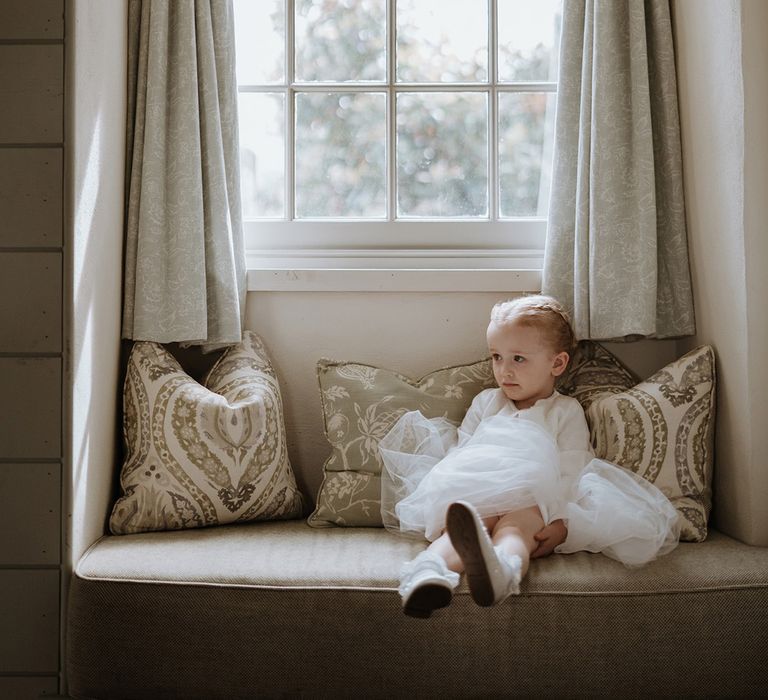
(280, 609)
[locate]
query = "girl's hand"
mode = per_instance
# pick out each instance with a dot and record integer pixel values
(548, 538)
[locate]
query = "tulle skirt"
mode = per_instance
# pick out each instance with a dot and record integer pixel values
(614, 511)
(512, 463)
(506, 465)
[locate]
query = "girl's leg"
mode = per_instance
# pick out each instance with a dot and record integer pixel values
(493, 572)
(444, 548)
(427, 582)
(513, 534)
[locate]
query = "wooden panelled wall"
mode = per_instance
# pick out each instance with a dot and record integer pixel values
(31, 343)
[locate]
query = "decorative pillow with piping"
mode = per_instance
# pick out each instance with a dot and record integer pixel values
(662, 429)
(203, 455)
(593, 371)
(360, 404)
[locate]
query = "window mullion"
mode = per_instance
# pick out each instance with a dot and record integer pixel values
(290, 108)
(493, 119)
(527, 87)
(339, 87)
(391, 165)
(441, 87)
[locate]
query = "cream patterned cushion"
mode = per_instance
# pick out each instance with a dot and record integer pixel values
(203, 455)
(663, 430)
(360, 404)
(594, 371)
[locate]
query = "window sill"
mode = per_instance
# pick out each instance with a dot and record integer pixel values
(503, 280)
(395, 270)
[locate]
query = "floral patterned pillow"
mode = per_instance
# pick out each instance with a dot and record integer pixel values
(203, 455)
(360, 404)
(662, 429)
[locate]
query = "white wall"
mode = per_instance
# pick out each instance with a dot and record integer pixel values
(722, 67)
(96, 102)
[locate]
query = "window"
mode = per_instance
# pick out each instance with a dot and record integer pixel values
(397, 128)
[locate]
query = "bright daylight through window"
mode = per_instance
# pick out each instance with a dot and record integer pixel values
(396, 124)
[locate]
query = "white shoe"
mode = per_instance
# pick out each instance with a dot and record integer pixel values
(426, 584)
(492, 574)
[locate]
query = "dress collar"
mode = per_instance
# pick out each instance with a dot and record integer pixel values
(555, 393)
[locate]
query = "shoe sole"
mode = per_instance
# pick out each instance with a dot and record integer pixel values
(462, 529)
(427, 598)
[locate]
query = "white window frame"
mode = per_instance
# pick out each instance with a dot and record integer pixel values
(393, 244)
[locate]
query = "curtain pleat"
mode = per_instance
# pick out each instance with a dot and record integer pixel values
(616, 252)
(185, 257)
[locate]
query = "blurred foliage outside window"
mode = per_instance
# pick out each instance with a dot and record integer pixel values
(346, 115)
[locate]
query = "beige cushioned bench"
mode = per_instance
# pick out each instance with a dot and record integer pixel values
(283, 610)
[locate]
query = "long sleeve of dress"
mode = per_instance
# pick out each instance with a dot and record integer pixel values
(478, 410)
(575, 450)
(573, 440)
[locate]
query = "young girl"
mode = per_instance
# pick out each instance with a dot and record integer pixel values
(520, 467)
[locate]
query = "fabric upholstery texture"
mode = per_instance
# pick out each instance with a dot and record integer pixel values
(203, 455)
(294, 555)
(616, 249)
(692, 624)
(663, 430)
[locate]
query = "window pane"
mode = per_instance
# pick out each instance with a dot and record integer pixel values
(529, 39)
(340, 152)
(442, 41)
(262, 157)
(526, 130)
(442, 154)
(340, 41)
(260, 41)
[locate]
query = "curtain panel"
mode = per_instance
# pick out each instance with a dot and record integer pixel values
(185, 257)
(616, 252)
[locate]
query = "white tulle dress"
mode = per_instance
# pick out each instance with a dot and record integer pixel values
(502, 459)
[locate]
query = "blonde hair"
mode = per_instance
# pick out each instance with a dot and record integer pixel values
(542, 312)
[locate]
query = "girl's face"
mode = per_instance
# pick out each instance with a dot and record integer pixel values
(524, 365)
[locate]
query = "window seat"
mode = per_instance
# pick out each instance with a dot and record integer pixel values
(280, 609)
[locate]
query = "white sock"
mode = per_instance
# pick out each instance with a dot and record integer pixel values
(426, 567)
(512, 566)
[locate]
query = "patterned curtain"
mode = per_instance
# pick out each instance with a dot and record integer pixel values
(617, 252)
(185, 258)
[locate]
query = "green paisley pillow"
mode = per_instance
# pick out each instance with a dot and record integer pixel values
(360, 404)
(662, 429)
(203, 455)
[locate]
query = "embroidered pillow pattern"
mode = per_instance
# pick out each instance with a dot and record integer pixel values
(360, 404)
(203, 455)
(663, 430)
(592, 372)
